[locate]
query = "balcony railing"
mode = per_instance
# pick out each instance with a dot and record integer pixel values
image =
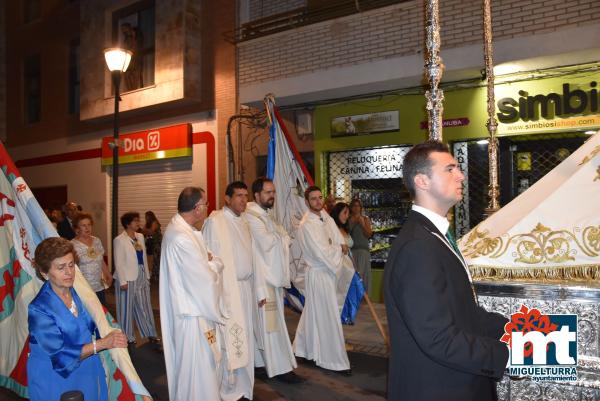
(304, 16)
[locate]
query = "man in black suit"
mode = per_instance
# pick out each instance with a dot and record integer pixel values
(444, 346)
(65, 227)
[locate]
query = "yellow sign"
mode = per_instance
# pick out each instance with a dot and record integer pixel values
(558, 124)
(524, 161)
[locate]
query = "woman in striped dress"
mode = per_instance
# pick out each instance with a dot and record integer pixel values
(132, 286)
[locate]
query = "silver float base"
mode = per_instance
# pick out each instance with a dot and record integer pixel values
(506, 297)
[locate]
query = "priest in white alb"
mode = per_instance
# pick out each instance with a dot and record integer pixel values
(271, 256)
(228, 236)
(191, 303)
(319, 336)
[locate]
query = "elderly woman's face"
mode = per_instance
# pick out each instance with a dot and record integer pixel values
(62, 272)
(84, 227)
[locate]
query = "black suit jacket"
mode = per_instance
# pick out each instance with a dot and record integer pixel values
(444, 347)
(65, 230)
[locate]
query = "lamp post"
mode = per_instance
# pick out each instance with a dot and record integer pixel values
(117, 61)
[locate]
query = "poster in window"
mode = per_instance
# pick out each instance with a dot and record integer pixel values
(362, 124)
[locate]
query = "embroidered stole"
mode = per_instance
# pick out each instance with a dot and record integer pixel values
(235, 336)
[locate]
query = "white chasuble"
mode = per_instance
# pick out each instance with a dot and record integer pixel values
(191, 309)
(271, 253)
(228, 236)
(319, 336)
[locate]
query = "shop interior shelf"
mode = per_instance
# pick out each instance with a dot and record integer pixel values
(383, 229)
(380, 248)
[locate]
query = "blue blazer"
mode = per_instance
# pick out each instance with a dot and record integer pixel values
(56, 338)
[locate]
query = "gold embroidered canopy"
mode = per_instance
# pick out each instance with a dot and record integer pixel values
(551, 231)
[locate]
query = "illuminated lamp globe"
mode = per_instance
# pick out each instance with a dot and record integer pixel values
(117, 59)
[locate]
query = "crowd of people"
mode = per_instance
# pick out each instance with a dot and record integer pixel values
(221, 293)
(221, 283)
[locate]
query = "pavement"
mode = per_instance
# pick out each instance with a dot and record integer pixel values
(367, 353)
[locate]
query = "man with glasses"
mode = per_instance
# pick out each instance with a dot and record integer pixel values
(191, 303)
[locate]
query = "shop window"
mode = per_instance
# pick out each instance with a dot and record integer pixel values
(32, 89)
(31, 10)
(74, 76)
(373, 176)
(134, 29)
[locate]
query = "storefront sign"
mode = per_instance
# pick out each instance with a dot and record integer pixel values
(161, 143)
(558, 124)
(368, 163)
(449, 123)
(365, 123)
(572, 109)
(462, 223)
(364, 164)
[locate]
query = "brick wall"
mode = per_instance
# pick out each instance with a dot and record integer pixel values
(265, 8)
(397, 31)
(2, 73)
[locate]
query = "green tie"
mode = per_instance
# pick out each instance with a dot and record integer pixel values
(452, 242)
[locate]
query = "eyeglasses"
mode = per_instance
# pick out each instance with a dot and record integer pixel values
(201, 204)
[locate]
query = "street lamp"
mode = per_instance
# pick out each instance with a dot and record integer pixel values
(117, 61)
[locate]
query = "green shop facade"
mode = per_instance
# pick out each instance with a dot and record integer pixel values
(360, 144)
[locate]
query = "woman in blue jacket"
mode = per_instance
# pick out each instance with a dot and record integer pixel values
(63, 339)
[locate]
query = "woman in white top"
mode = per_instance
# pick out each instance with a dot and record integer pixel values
(90, 253)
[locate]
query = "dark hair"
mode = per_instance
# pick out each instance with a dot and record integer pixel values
(335, 214)
(354, 201)
(150, 218)
(310, 189)
(258, 184)
(233, 186)
(128, 217)
(50, 249)
(188, 198)
(417, 161)
(81, 216)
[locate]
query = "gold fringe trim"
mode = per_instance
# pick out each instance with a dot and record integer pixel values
(550, 273)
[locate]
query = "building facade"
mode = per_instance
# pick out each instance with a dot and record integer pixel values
(357, 68)
(176, 98)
